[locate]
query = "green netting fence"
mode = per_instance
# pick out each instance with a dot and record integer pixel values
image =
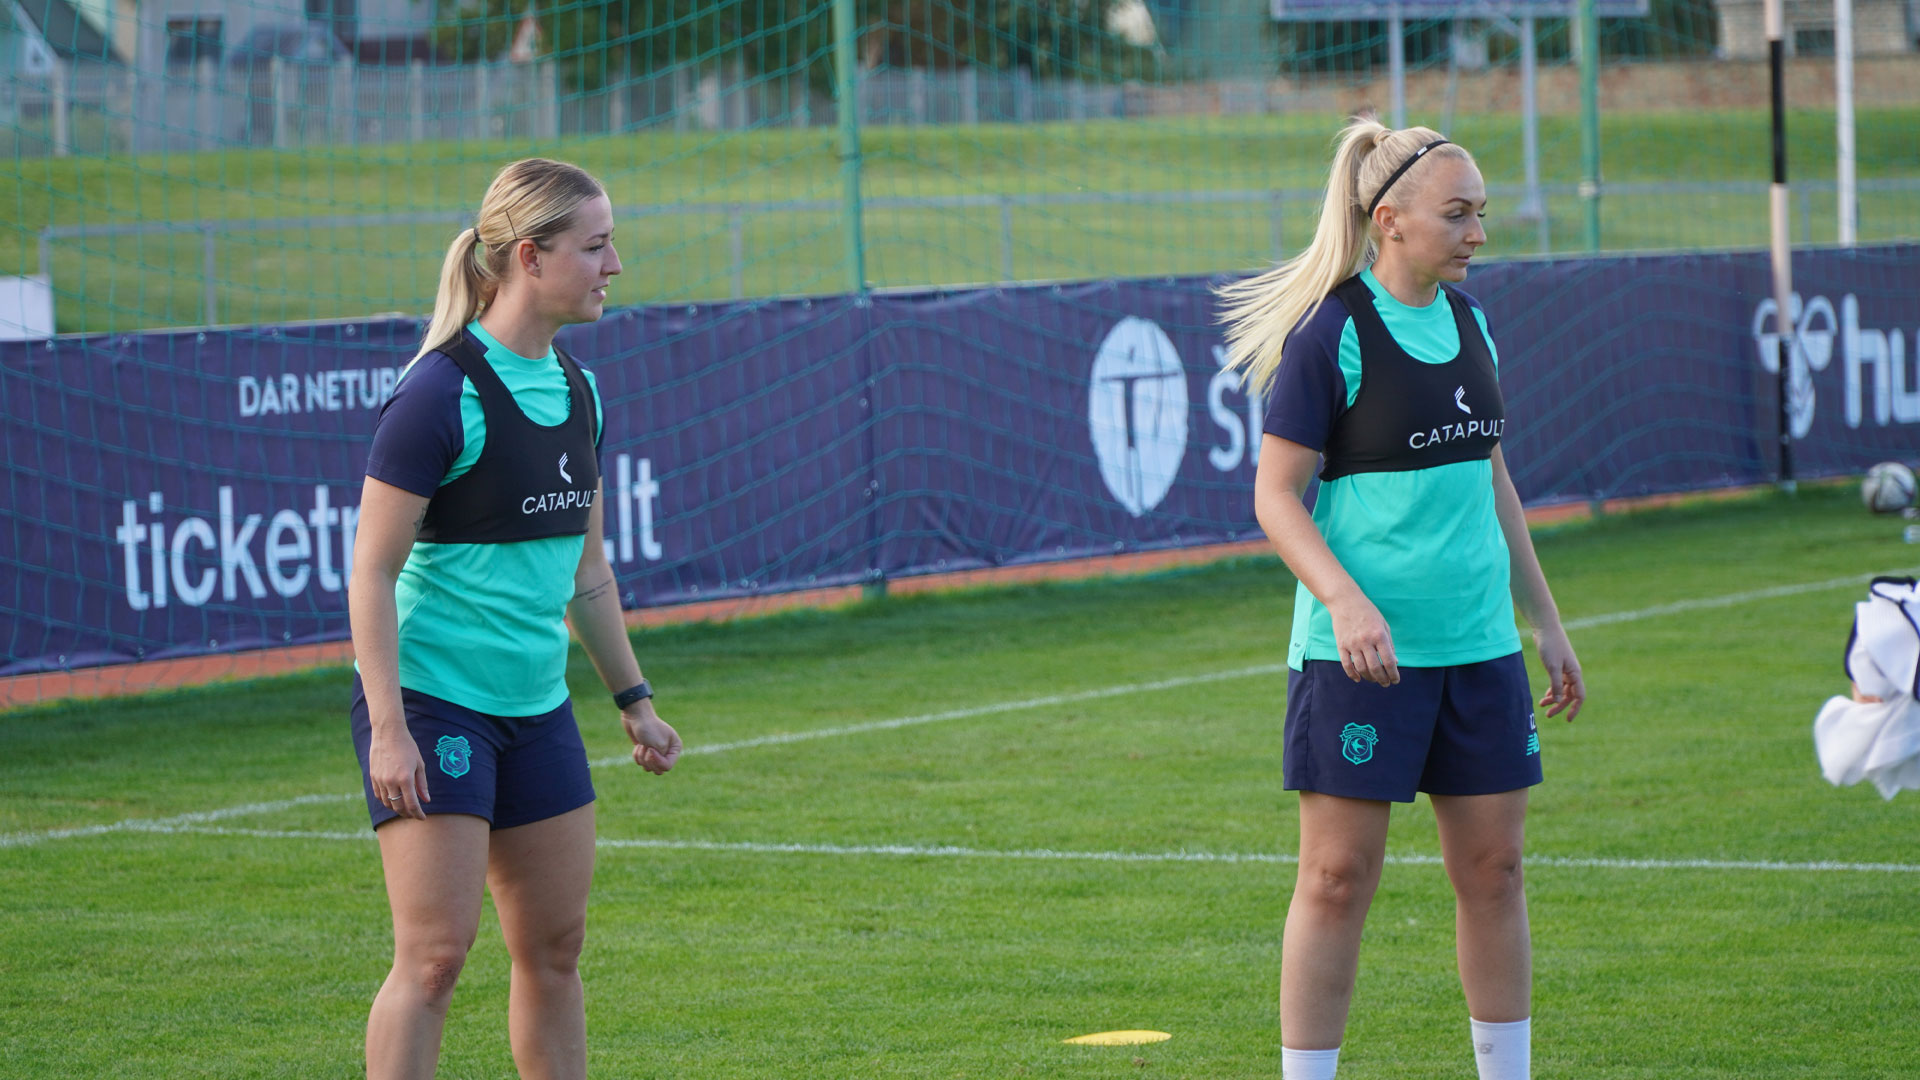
(254, 162)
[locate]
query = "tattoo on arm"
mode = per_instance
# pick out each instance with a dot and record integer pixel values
(595, 592)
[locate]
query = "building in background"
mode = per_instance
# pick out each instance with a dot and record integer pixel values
(1880, 27)
(35, 33)
(184, 33)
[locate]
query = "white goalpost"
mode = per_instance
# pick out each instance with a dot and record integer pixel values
(1848, 200)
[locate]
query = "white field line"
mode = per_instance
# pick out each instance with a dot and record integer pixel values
(916, 851)
(1729, 600)
(168, 824)
(1608, 619)
(23, 839)
(976, 710)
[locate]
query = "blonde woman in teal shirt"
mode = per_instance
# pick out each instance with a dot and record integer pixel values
(479, 544)
(1407, 675)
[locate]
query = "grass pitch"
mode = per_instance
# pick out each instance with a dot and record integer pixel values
(955, 896)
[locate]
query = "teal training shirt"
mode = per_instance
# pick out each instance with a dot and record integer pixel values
(1424, 544)
(481, 625)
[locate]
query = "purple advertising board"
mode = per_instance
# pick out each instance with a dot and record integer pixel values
(174, 494)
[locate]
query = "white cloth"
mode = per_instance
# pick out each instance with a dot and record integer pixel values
(1878, 741)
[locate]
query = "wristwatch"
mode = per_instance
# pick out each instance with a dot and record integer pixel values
(631, 694)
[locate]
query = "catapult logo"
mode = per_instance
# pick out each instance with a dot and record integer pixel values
(1137, 411)
(1874, 366)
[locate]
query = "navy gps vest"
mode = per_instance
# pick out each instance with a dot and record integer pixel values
(531, 481)
(1409, 414)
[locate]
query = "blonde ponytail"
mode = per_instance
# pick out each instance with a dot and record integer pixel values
(531, 199)
(1261, 311)
(463, 276)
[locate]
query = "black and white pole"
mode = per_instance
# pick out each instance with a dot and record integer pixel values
(1782, 264)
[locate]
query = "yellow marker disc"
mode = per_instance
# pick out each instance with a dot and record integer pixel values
(1120, 1038)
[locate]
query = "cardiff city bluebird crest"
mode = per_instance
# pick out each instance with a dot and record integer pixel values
(456, 755)
(1356, 742)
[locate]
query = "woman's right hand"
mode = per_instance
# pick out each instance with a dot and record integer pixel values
(394, 765)
(1365, 643)
(656, 746)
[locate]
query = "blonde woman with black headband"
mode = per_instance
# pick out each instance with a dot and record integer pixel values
(1407, 674)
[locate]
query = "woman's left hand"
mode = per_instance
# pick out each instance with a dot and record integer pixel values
(656, 746)
(1566, 690)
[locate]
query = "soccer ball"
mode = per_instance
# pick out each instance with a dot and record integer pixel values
(1888, 488)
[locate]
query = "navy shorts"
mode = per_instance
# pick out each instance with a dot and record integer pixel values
(510, 770)
(1461, 730)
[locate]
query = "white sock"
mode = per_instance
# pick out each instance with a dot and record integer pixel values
(1308, 1064)
(1503, 1051)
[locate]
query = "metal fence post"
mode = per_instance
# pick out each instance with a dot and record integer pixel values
(481, 120)
(207, 276)
(416, 100)
(340, 99)
(134, 111)
(1589, 40)
(62, 109)
(122, 111)
(549, 76)
(205, 87)
(1397, 64)
(846, 77)
(736, 252)
(1533, 203)
(1279, 235)
(1006, 239)
(276, 77)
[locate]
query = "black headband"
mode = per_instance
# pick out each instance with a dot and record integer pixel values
(1399, 172)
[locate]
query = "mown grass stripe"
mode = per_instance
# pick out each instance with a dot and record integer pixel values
(948, 851)
(1048, 701)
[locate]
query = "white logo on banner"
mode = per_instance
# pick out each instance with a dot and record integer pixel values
(1869, 358)
(276, 394)
(1137, 410)
(169, 558)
